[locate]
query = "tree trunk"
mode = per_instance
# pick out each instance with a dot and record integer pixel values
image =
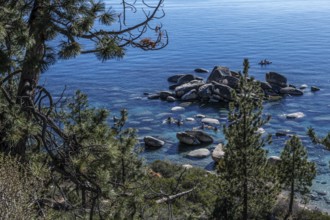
(31, 70)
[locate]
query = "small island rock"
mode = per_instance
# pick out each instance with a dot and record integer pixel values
(211, 121)
(295, 115)
(153, 142)
(187, 139)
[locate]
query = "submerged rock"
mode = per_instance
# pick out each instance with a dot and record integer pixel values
(153, 142)
(199, 153)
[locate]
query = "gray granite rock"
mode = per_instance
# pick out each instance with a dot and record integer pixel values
(153, 142)
(187, 139)
(199, 153)
(217, 73)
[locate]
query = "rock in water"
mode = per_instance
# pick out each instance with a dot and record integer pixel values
(177, 108)
(170, 99)
(154, 96)
(211, 121)
(291, 91)
(277, 79)
(191, 95)
(153, 142)
(199, 153)
(295, 115)
(314, 89)
(201, 70)
(230, 81)
(164, 94)
(183, 89)
(187, 139)
(303, 86)
(217, 73)
(222, 90)
(205, 91)
(185, 79)
(202, 136)
(175, 78)
(218, 153)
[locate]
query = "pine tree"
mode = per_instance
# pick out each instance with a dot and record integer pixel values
(35, 34)
(295, 171)
(249, 187)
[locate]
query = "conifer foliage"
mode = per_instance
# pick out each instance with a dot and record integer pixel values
(249, 187)
(295, 171)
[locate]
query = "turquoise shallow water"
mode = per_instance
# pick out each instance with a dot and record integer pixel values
(204, 33)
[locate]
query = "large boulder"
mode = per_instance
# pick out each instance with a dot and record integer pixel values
(187, 139)
(191, 95)
(291, 91)
(153, 142)
(230, 81)
(218, 153)
(222, 90)
(183, 89)
(217, 73)
(205, 91)
(277, 79)
(202, 136)
(185, 79)
(175, 78)
(199, 153)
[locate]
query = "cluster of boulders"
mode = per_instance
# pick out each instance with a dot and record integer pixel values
(219, 85)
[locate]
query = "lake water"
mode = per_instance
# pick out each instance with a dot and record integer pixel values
(293, 34)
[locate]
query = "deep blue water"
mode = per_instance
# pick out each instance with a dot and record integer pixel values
(294, 34)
